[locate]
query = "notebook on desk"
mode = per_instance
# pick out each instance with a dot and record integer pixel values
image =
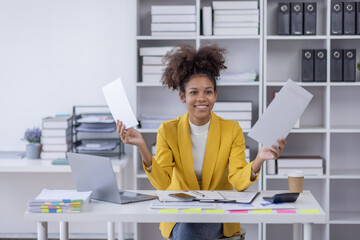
(210, 196)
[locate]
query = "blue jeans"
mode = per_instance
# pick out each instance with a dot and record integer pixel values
(198, 231)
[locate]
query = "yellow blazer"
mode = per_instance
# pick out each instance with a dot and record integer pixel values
(224, 165)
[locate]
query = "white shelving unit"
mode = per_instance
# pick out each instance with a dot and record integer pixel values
(329, 127)
(244, 54)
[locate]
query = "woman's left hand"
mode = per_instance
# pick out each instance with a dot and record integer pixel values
(268, 154)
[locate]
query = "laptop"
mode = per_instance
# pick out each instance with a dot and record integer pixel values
(95, 173)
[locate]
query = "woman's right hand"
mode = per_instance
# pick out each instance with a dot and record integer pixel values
(129, 136)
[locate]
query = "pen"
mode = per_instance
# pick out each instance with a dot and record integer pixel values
(198, 193)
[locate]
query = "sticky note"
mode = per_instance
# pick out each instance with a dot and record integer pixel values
(262, 211)
(192, 210)
(214, 211)
(238, 211)
(169, 210)
(285, 211)
(309, 211)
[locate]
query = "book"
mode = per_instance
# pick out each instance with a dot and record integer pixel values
(55, 140)
(236, 18)
(236, 12)
(231, 5)
(173, 9)
(234, 115)
(56, 147)
(307, 171)
(154, 51)
(232, 106)
(299, 161)
(172, 27)
(151, 78)
(153, 69)
(172, 34)
(176, 18)
(236, 31)
(207, 21)
(56, 132)
(152, 60)
(52, 155)
(235, 24)
(57, 122)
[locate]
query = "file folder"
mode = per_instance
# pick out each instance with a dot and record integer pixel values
(283, 18)
(310, 18)
(320, 65)
(349, 71)
(336, 18)
(307, 64)
(349, 18)
(336, 65)
(296, 18)
(358, 18)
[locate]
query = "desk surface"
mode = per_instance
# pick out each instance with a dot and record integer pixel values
(8, 165)
(140, 212)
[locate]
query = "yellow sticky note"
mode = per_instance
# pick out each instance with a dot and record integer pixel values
(309, 211)
(169, 210)
(214, 211)
(262, 211)
(192, 210)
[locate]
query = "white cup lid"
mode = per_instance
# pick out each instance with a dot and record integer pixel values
(296, 174)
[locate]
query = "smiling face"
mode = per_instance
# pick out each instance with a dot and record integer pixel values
(199, 97)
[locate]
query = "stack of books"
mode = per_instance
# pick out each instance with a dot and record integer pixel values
(59, 201)
(152, 63)
(56, 137)
(310, 165)
(236, 111)
(236, 17)
(173, 20)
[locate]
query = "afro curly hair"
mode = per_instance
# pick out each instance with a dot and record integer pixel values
(184, 62)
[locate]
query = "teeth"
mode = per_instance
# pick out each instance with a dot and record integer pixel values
(201, 106)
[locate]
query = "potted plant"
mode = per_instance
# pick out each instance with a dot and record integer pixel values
(32, 136)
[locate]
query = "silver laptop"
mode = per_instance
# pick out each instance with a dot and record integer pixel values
(94, 173)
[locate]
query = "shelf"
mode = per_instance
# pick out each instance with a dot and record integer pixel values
(303, 84)
(239, 37)
(297, 37)
(345, 129)
(285, 177)
(345, 173)
(344, 217)
(219, 84)
(345, 84)
(309, 130)
(344, 37)
(165, 37)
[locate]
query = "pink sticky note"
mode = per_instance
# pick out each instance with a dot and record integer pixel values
(285, 211)
(238, 211)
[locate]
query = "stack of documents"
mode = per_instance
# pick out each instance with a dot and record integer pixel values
(59, 201)
(173, 20)
(56, 136)
(153, 121)
(236, 17)
(310, 165)
(97, 145)
(152, 64)
(236, 111)
(96, 123)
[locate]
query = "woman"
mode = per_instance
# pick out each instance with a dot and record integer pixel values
(198, 150)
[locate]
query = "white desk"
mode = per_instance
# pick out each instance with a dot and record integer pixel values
(140, 212)
(22, 179)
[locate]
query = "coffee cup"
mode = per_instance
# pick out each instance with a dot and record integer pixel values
(296, 181)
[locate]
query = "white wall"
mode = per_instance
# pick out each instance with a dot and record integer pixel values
(56, 54)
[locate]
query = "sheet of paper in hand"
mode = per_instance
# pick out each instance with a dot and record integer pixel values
(281, 115)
